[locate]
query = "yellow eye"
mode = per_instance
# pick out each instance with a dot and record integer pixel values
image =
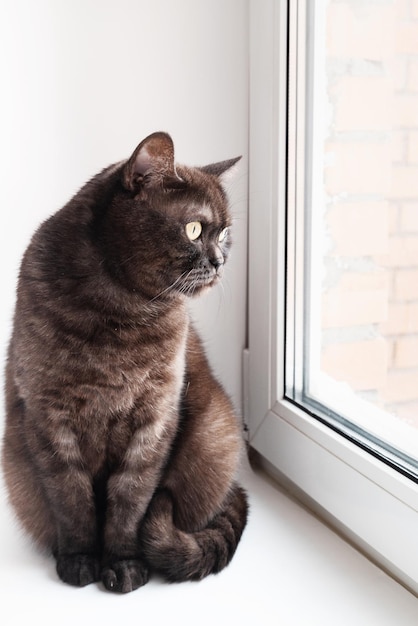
(193, 230)
(222, 235)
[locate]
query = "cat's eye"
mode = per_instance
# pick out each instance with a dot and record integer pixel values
(222, 235)
(193, 230)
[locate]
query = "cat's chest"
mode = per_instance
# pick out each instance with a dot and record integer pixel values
(132, 396)
(119, 376)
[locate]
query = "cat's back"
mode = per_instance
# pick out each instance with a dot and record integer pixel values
(61, 247)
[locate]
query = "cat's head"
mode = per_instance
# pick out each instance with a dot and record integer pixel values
(168, 227)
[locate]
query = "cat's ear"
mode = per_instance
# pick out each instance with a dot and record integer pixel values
(152, 163)
(223, 169)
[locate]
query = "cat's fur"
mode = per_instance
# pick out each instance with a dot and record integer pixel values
(121, 449)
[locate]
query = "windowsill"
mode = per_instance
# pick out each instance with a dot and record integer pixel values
(290, 569)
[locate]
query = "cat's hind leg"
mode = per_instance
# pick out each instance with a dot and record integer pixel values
(195, 522)
(209, 448)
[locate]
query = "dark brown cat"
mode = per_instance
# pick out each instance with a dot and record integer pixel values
(121, 450)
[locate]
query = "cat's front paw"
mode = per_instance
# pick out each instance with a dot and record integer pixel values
(78, 569)
(125, 575)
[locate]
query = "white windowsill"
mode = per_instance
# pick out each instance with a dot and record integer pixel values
(290, 569)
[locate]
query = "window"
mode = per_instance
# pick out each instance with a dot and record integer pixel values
(352, 352)
(333, 256)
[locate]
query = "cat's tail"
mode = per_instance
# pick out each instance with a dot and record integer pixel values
(179, 555)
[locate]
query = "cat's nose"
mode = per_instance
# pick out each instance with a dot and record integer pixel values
(217, 261)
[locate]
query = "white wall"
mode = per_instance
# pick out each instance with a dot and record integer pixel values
(83, 81)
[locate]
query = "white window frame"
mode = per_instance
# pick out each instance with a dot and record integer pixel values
(372, 504)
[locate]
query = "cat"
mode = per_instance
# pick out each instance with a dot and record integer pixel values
(121, 449)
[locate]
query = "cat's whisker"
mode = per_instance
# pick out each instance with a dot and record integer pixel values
(170, 287)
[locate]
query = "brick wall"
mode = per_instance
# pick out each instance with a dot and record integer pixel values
(370, 296)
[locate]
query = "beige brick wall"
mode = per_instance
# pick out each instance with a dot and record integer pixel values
(370, 296)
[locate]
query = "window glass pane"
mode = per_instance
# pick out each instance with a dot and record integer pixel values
(358, 291)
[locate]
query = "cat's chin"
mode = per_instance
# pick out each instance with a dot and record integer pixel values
(205, 286)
